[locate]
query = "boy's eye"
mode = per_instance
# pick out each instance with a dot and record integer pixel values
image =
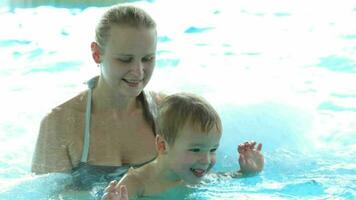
(194, 150)
(125, 60)
(213, 150)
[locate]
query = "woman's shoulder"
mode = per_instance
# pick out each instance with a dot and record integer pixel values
(68, 109)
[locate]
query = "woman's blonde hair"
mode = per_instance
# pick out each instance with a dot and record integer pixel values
(121, 16)
(178, 110)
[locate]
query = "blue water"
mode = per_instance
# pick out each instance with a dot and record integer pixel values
(279, 72)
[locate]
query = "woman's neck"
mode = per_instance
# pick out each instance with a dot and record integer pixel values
(105, 100)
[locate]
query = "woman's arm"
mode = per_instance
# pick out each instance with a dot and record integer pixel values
(51, 154)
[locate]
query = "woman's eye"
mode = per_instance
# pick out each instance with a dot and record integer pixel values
(194, 150)
(125, 60)
(148, 59)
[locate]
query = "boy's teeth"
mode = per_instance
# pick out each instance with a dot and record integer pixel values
(198, 172)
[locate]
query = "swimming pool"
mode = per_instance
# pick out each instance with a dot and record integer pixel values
(279, 72)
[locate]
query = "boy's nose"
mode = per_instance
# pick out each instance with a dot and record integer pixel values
(205, 158)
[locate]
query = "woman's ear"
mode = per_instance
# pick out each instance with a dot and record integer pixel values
(161, 145)
(95, 52)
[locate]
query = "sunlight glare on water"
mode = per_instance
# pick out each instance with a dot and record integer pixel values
(279, 72)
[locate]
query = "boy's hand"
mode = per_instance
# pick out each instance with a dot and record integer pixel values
(251, 160)
(114, 192)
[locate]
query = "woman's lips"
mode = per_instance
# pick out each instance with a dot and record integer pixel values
(132, 83)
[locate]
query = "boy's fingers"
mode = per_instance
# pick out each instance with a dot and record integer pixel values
(108, 196)
(111, 186)
(240, 148)
(108, 188)
(242, 159)
(105, 196)
(246, 146)
(252, 145)
(123, 193)
(114, 182)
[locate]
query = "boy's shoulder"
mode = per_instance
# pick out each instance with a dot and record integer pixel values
(133, 181)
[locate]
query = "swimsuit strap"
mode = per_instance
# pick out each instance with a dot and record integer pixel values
(85, 153)
(151, 111)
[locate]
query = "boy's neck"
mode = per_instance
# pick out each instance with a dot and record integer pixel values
(164, 175)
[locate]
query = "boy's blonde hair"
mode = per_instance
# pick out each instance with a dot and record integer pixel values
(177, 110)
(122, 16)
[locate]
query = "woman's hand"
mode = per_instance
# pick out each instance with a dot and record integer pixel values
(250, 159)
(115, 192)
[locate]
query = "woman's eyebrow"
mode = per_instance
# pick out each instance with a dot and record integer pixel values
(125, 55)
(131, 55)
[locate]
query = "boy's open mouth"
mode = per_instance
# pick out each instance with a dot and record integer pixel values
(198, 172)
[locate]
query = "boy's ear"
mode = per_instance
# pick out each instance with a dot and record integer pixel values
(95, 52)
(161, 145)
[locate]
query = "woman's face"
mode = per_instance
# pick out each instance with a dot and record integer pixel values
(129, 58)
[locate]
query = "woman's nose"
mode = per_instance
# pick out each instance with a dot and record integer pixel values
(137, 69)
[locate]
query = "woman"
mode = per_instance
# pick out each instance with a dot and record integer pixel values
(100, 133)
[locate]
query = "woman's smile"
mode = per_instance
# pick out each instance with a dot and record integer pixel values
(132, 82)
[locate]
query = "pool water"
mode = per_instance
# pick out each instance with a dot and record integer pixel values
(279, 72)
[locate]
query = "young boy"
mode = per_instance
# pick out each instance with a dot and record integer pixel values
(189, 135)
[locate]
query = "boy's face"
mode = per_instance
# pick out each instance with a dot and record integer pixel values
(193, 153)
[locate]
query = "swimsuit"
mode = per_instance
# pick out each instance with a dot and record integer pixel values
(86, 176)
